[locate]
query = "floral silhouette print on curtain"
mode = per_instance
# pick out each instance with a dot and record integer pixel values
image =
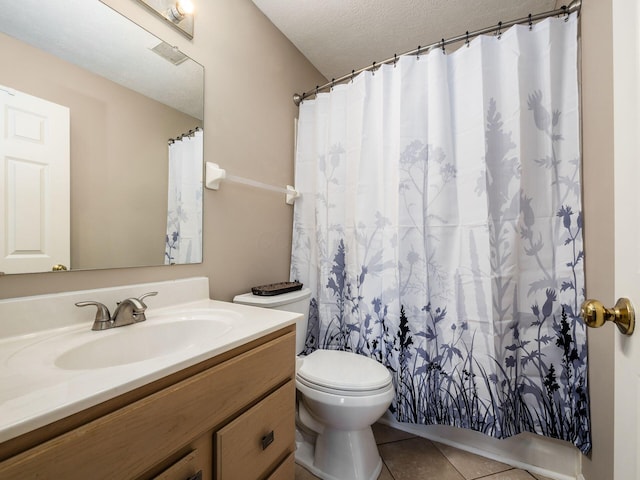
(444, 237)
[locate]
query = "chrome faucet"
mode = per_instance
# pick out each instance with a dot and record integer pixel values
(128, 311)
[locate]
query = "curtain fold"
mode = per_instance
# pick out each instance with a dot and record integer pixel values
(440, 231)
(183, 240)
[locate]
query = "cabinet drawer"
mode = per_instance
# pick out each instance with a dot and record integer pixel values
(286, 470)
(186, 468)
(253, 444)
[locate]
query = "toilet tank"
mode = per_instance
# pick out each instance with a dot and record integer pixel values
(297, 302)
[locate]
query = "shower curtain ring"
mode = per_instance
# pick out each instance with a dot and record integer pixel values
(499, 30)
(466, 42)
(418, 54)
(353, 72)
(373, 68)
(395, 60)
(443, 50)
(333, 82)
(317, 88)
(566, 13)
(530, 23)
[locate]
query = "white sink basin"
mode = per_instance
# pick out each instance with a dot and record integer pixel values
(165, 335)
(129, 344)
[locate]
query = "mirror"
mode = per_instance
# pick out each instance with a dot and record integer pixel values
(127, 96)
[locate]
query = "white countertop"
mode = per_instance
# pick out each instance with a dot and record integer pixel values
(35, 392)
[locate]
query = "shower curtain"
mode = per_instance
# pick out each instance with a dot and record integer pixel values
(440, 231)
(183, 240)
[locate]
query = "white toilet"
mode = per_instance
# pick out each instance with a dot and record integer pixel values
(340, 395)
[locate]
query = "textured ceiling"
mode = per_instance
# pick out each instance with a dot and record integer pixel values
(338, 36)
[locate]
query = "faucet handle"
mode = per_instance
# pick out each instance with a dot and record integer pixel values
(102, 314)
(149, 294)
(103, 317)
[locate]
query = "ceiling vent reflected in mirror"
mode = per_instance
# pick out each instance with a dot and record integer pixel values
(179, 13)
(169, 53)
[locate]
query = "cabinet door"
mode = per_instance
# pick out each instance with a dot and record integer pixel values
(187, 468)
(255, 443)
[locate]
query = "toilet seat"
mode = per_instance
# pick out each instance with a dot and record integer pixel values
(343, 373)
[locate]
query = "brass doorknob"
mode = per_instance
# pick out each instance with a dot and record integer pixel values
(59, 268)
(595, 314)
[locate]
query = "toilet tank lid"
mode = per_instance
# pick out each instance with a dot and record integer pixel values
(272, 301)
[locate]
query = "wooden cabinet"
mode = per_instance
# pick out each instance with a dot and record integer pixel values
(231, 417)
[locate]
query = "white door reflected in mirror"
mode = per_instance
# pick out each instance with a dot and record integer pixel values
(34, 173)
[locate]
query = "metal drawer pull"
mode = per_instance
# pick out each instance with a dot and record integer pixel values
(267, 440)
(197, 476)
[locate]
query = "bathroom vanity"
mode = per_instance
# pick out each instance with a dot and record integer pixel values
(224, 413)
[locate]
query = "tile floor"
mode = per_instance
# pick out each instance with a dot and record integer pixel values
(407, 457)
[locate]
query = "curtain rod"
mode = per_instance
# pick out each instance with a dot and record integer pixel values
(574, 6)
(190, 133)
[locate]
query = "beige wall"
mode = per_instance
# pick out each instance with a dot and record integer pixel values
(118, 157)
(251, 73)
(597, 125)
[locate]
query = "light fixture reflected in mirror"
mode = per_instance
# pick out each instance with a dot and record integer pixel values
(179, 13)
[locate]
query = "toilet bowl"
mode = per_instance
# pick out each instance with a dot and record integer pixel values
(339, 396)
